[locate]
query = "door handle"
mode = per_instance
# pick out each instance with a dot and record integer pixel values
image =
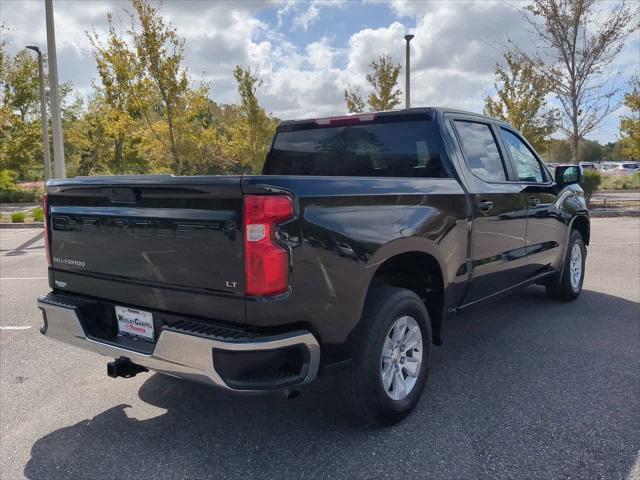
(485, 205)
(534, 201)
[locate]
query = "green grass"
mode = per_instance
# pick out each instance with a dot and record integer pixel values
(615, 182)
(18, 217)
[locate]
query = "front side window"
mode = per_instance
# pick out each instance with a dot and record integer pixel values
(527, 166)
(481, 151)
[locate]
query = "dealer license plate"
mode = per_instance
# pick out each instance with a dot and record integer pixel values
(136, 323)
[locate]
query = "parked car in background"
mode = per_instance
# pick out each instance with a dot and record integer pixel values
(626, 168)
(360, 237)
(606, 167)
(588, 165)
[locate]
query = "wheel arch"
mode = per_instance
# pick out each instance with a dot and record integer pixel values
(420, 272)
(582, 224)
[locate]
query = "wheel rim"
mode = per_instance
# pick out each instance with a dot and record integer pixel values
(575, 266)
(401, 358)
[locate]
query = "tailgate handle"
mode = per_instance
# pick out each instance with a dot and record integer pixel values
(121, 195)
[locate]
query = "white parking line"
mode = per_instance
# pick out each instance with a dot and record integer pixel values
(21, 254)
(24, 278)
(614, 243)
(17, 327)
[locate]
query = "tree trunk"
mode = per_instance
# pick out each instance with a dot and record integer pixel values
(172, 141)
(117, 153)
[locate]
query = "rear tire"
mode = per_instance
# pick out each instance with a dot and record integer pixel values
(392, 357)
(568, 285)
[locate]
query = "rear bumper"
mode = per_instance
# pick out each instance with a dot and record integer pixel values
(189, 356)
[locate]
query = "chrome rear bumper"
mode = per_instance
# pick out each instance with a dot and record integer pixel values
(177, 354)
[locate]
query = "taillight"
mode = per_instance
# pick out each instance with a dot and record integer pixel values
(45, 210)
(265, 262)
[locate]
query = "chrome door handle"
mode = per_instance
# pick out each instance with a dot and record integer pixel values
(485, 205)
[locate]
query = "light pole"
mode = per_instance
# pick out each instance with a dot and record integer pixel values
(43, 116)
(407, 73)
(56, 121)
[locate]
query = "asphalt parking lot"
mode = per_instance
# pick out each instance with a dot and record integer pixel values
(524, 387)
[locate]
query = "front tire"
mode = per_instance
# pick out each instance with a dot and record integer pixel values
(569, 284)
(392, 357)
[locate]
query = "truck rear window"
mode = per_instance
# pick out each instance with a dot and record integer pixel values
(398, 149)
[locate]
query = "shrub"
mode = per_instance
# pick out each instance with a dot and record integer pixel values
(18, 217)
(38, 214)
(590, 181)
(619, 182)
(19, 196)
(7, 180)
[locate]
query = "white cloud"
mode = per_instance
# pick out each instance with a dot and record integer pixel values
(320, 54)
(305, 13)
(454, 51)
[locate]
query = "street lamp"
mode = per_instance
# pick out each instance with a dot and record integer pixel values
(43, 116)
(54, 95)
(407, 72)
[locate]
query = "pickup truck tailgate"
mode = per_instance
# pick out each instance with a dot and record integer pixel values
(163, 234)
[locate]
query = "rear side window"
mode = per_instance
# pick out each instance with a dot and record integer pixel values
(527, 166)
(392, 149)
(481, 151)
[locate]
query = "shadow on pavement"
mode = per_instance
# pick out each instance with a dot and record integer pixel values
(522, 388)
(23, 249)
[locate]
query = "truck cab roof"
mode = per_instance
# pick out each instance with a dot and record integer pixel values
(405, 113)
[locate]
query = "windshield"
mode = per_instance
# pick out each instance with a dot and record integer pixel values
(397, 149)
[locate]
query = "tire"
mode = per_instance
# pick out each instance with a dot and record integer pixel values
(364, 388)
(568, 285)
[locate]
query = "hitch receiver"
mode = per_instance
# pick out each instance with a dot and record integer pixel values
(123, 367)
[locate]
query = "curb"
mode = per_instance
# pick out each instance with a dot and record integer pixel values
(629, 190)
(614, 213)
(14, 226)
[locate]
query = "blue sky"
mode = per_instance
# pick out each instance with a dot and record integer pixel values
(307, 52)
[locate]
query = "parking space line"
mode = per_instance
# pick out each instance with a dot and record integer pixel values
(17, 327)
(614, 243)
(24, 278)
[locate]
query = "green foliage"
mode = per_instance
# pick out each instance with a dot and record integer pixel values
(355, 103)
(520, 100)
(18, 217)
(7, 180)
(38, 214)
(249, 136)
(630, 126)
(590, 182)
(19, 196)
(383, 78)
(620, 182)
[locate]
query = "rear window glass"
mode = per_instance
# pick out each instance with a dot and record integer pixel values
(398, 149)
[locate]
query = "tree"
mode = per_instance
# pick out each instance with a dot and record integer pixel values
(630, 126)
(116, 98)
(160, 53)
(383, 78)
(355, 103)
(250, 136)
(520, 100)
(574, 53)
(20, 123)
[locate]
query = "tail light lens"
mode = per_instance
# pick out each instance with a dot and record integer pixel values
(47, 244)
(265, 262)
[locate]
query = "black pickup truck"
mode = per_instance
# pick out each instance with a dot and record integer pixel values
(360, 237)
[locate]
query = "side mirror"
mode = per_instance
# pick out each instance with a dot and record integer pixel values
(568, 174)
